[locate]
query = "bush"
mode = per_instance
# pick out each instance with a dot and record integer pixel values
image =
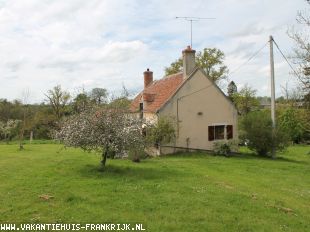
(257, 129)
(295, 123)
(136, 155)
(162, 132)
(225, 148)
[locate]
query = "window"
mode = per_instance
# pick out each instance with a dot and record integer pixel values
(211, 133)
(218, 132)
(229, 129)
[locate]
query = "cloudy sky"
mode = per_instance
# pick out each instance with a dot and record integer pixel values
(109, 43)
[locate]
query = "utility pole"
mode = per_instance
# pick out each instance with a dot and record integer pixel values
(272, 83)
(191, 20)
(272, 88)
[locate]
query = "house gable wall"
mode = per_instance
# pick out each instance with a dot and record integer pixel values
(195, 106)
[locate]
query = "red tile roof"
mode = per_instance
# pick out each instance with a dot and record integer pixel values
(157, 93)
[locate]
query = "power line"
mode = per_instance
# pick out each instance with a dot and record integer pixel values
(285, 58)
(194, 92)
(255, 54)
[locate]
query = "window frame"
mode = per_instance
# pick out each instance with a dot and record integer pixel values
(228, 132)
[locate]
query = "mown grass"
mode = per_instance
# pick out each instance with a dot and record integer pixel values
(187, 192)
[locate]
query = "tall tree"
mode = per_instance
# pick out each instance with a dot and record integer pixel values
(174, 67)
(99, 95)
(231, 89)
(245, 100)
(301, 55)
(58, 99)
(81, 102)
(211, 60)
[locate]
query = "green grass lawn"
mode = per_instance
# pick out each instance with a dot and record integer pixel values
(189, 192)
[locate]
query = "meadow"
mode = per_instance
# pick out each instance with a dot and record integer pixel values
(185, 192)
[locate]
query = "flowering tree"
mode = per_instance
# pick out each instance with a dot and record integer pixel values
(102, 130)
(7, 128)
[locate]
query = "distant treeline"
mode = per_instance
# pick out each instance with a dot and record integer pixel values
(21, 120)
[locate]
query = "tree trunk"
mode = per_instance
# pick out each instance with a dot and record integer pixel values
(21, 136)
(104, 156)
(31, 137)
(21, 139)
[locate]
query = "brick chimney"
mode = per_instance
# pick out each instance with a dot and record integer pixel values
(188, 61)
(148, 77)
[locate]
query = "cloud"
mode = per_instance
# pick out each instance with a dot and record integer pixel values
(109, 43)
(112, 53)
(254, 30)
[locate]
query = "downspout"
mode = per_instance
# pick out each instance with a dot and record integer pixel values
(178, 130)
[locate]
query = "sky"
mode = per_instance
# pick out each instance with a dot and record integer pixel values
(108, 44)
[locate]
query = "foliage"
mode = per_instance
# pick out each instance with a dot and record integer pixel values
(174, 67)
(301, 55)
(8, 128)
(120, 102)
(58, 99)
(295, 123)
(81, 102)
(136, 154)
(211, 60)
(307, 101)
(10, 110)
(102, 129)
(99, 95)
(231, 89)
(225, 147)
(41, 119)
(245, 100)
(44, 122)
(38, 118)
(257, 129)
(292, 97)
(162, 132)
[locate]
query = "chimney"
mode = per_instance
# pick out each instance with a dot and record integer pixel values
(188, 61)
(148, 78)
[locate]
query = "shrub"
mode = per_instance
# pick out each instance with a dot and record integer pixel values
(262, 138)
(136, 155)
(161, 132)
(295, 123)
(225, 148)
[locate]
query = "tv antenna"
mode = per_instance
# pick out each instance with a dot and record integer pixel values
(191, 20)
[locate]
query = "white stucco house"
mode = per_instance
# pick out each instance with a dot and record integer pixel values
(203, 113)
